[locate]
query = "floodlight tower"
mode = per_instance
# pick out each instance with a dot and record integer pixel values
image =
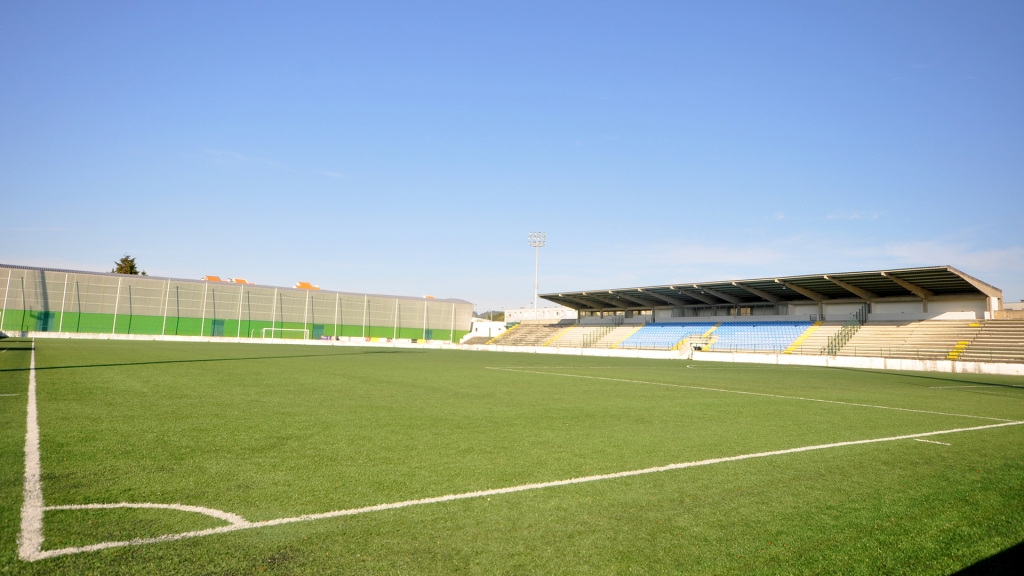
(537, 240)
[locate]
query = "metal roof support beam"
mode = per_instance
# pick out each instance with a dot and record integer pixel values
(612, 301)
(696, 295)
(728, 298)
(805, 291)
(581, 302)
(640, 301)
(859, 292)
(669, 299)
(913, 288)
(767, 296)
(986, 289)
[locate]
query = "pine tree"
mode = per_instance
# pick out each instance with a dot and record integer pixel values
(126, 265)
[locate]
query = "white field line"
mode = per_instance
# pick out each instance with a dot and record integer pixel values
(931, 441)
(753, 394)
(9, 394)
(975, 386)
(39, 555)
(745, 367)
(228, 517)
(30, 541)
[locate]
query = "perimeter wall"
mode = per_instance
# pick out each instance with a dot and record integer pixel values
(36, 300)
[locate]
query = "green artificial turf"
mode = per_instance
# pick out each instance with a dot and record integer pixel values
(272, 431)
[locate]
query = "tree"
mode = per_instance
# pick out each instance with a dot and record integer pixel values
(126, 265)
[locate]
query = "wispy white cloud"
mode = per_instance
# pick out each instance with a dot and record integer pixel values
(961, 255)
(228, 155)
(333, 174)
(853, 216)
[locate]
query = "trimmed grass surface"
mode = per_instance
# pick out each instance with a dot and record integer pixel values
(279, 431)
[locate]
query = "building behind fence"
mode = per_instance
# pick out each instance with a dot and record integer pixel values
(49, 300)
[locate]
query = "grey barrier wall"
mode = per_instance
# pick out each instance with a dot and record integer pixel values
(49, 300)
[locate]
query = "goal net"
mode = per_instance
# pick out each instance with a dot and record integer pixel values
(285, 333)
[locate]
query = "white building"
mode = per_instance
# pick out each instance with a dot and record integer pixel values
(552, 315)
(484, 328)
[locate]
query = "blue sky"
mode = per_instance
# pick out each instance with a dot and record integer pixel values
(409, 148)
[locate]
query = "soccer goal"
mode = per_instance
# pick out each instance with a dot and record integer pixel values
(286, 333)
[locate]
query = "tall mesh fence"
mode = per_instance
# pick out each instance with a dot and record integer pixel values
(37, 300)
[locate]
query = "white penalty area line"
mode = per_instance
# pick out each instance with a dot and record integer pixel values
(931, 441)
(241, 524)
(707, 389)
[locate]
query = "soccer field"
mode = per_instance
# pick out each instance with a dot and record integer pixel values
(306, 459)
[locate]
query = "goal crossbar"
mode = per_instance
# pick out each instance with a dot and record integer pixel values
(305, 333)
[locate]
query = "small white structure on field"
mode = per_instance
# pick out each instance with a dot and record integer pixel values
(484, 329)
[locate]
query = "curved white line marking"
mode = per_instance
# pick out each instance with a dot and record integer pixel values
(466, 495)
(752, 393)
(233, 519)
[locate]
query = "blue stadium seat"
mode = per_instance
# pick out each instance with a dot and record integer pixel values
(757, 336)
(767, 336)
(665, 335)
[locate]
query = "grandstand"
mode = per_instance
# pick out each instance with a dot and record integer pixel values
(933, 313)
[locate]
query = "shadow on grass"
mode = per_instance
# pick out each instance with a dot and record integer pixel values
(1008, 561)
(926, 377)
(194, 361)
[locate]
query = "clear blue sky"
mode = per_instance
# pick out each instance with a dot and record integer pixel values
(409, 148)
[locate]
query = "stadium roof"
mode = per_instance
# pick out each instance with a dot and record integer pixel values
(917, 282)
(250, 284)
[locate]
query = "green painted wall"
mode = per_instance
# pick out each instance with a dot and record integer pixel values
(93, 323)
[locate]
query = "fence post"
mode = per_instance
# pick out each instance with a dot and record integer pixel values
(305, 315)
(117, 299)
(3, 312)
(241, 296)
(202, 321)
(167, 299)
(62, 298)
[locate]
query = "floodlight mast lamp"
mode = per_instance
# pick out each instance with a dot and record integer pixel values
(537, 240)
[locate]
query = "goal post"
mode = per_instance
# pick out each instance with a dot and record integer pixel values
(285, 333)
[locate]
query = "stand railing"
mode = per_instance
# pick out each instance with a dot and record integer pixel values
(836, 342)
(594, 337)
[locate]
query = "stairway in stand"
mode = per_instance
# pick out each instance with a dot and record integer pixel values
(996, 341)
(926, 339)
(528, 335)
